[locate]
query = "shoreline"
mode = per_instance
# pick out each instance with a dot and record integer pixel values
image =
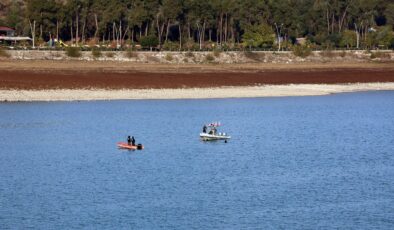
(288, 90)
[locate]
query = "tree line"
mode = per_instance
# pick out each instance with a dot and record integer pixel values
(205, 24)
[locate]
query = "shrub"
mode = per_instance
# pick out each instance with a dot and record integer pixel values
(301, 51)
(170, 46)
(216, 53)
(74, 52)
(169, 57)
(149, 41)
(209, 58)
(327, 53)
(189, 54)
(152, 59)
(96, 53)
(380, 55)
(131, 54)
(110, 54)
(4, 53)
(254, 55)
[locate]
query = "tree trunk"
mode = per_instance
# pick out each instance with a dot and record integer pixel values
(158, 30)
(113, 31)
(203, 31)
(180, 37)
(33, 31)
(57, 30)
(83, 31)
(226, 29)
(221, 28)
(77, 30)
(71, 30)
(140, 32)
(188, 30)
(168, 29)
(97, 27)
(357, 36)
(328, 22)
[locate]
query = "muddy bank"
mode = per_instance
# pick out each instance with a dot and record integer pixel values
(75, 79)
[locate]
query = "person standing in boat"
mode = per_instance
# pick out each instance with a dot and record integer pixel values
(204, 129)
(128, 140)
(132, 141)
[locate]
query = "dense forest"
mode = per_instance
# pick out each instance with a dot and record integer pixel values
(204, 24)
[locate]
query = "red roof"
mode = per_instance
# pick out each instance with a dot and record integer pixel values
(5, 28)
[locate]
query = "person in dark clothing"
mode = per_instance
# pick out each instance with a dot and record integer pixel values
(204, 129)
(128, 140)
(132, 141)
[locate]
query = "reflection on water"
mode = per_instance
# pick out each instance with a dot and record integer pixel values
(302, 162)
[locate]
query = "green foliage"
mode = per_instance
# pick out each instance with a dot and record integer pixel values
(348, 39)
(302, 51)
(227, 23)
(149, 41)
(389, 14)
(170, 46)
(258, 36)
(96, 53)
(384, 36)
(74, 52)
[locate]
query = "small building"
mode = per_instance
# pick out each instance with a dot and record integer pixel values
(300, 41)
(7, 35)
(7, 31)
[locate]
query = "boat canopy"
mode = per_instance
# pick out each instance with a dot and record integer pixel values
(214, 124)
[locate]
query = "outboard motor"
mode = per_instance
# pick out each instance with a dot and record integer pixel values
(139, 146)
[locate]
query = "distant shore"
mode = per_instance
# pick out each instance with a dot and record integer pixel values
(48, 80)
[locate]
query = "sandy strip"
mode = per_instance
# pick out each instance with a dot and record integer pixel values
(189, 93)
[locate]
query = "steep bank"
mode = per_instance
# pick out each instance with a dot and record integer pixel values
(215, 57)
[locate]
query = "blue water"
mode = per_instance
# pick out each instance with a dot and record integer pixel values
(293, 163)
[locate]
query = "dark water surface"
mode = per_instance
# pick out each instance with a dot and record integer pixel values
(293, 163)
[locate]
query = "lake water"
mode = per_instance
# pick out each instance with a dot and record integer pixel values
(293, 163)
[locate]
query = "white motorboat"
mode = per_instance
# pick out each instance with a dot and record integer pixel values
(210, 133)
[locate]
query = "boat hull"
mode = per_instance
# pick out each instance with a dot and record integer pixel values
(211, 137)
(123, 145)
